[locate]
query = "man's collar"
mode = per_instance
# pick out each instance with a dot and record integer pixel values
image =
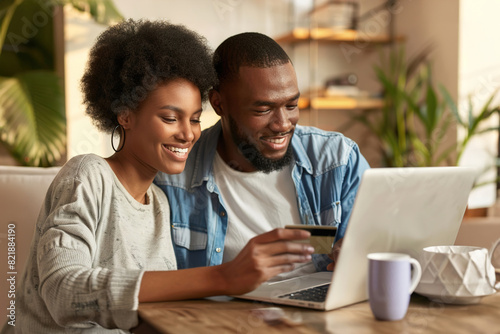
(299, 151)
(207, 148)
(205, 155)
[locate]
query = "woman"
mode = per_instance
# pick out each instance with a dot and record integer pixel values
(102, 242)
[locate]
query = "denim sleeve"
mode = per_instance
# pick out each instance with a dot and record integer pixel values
(355, 168)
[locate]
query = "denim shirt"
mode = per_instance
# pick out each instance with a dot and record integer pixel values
(327, 171)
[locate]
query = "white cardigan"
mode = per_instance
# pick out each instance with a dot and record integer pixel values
(92, 244)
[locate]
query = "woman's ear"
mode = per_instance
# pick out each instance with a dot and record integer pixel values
(216, 101)
(125, 119)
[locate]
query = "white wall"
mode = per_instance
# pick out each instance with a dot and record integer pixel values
(479, 76)
(83, 137)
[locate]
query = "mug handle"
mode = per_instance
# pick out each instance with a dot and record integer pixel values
(417, 274)
(495, 246)
(489, 258)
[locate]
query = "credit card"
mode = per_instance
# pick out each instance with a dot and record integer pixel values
(322, 237)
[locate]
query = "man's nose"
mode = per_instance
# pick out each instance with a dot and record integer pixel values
(281, 120)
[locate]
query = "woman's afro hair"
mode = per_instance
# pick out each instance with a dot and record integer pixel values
(132, 58)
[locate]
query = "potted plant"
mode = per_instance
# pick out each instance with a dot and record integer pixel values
(416, 118)
(473, 124)
(32, 113)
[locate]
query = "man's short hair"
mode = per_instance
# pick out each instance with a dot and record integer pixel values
(247, 49)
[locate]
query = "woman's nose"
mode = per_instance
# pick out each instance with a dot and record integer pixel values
(186, 132)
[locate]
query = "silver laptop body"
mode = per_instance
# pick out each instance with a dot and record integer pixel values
(396, 210)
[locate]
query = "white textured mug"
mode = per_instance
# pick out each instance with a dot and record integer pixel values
(456, 274)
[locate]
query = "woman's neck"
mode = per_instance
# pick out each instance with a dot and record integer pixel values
(134, 175)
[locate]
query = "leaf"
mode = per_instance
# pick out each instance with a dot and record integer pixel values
(453, 106)
(418, 60)
(486, 111)
(32, 119)
(495, 128)
(4, 5)
(393, 149)
(422, 151)
(7, 12)
(410, 99)
(432, 110)
(472, 122)
(102, 11)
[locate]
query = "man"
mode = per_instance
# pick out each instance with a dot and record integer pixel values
(256, 169)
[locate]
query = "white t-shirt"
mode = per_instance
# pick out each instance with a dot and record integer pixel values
(256, 203)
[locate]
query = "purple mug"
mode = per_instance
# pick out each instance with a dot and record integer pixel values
(390, 284)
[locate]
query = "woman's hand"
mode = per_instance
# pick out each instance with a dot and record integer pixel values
(264, 257)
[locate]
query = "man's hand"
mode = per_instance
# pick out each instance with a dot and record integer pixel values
(264, 257)
(334, 254)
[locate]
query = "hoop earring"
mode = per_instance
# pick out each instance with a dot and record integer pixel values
(122, 136)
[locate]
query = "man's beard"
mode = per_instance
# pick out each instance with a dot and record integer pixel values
(252, 153)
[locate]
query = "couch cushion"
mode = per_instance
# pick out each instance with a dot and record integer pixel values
(22, 190)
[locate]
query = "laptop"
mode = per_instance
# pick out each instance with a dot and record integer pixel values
(396, 210)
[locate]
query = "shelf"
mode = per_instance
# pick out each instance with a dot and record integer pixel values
(331, 35)
(303, 103)
(341, 103)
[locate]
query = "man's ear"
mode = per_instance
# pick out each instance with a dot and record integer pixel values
(125, 119)
(216, 101)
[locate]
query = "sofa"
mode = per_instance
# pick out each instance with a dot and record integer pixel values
(22, 190)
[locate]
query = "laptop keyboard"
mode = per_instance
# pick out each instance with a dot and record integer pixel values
(316, 294)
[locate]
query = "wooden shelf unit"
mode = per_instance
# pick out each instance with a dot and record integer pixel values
(329, 35)
(341, 103)
(298, 35)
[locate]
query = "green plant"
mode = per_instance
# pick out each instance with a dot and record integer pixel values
(473, 124)
(428, 112)
(32, 114)
(416, 118)
(413, 122)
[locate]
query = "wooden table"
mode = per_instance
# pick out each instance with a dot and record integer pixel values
(227, 315)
